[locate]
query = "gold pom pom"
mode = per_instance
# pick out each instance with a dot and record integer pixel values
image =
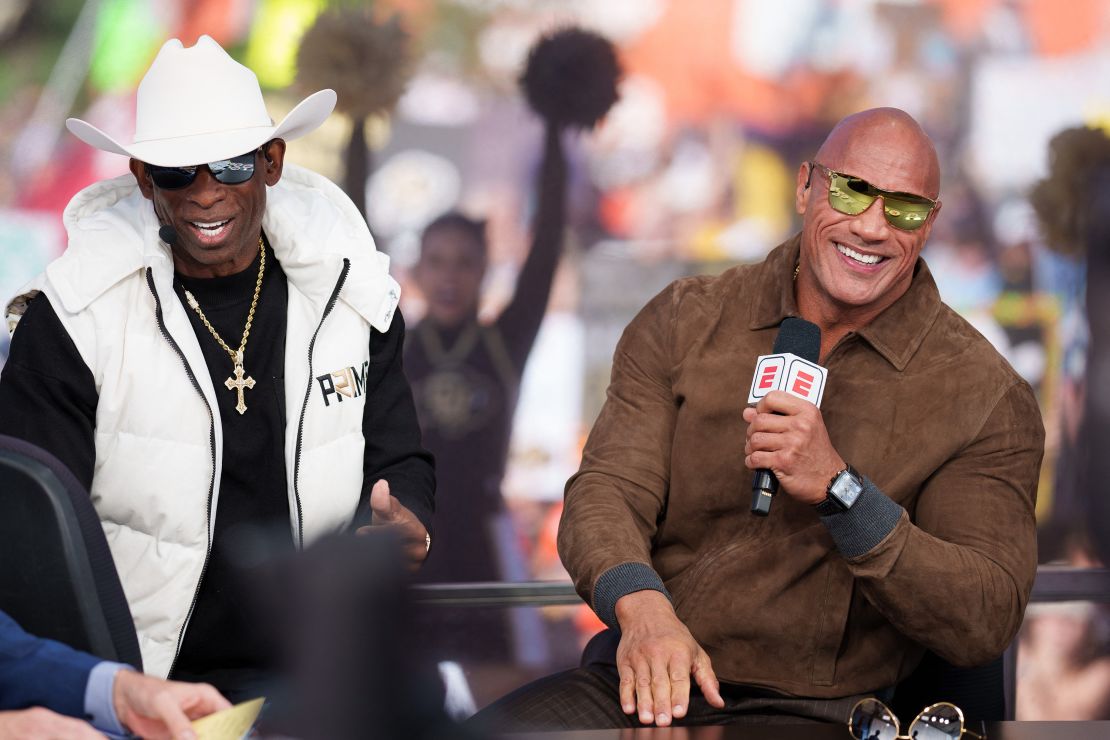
(367, 62)
(1062, 201)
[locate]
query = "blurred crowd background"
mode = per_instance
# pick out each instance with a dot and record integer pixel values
(691, 172)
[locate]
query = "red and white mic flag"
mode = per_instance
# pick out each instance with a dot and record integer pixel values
(790, 373)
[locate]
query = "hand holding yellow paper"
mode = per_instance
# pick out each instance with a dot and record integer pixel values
(229, 724)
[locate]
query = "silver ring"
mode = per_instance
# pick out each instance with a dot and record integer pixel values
(427, 542)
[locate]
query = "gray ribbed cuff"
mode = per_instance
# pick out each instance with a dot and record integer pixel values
(621, 580)
(866, 524)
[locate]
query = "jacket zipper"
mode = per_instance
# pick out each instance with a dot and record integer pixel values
(212, 448)
(307, 394)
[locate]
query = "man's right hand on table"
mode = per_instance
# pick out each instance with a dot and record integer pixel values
(656, 657)
(41, 723)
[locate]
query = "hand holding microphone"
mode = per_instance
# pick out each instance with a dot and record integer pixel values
(787, 441)
(787, 436)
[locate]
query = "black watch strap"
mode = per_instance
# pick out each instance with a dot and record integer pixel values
(829, 506)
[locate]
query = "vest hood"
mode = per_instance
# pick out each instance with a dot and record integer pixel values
(309, 221)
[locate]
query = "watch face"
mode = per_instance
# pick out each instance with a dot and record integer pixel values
(846, 489)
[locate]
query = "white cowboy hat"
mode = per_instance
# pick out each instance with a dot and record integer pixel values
(199, 105)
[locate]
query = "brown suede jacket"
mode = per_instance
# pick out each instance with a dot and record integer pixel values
(939, 552)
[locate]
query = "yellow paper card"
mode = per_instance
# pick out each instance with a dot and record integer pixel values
(229, 724)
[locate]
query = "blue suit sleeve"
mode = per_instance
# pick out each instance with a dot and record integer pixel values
(35, 672)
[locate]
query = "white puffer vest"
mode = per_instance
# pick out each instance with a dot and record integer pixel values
(159, 439)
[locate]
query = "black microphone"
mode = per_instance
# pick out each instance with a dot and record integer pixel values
(168, 234)
(798, 337)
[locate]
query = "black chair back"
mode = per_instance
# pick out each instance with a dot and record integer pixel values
(57, 576)
(979, 691)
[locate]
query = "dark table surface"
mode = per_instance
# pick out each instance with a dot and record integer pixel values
(995, 731)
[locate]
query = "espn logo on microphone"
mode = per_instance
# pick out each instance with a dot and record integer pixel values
(788, 372)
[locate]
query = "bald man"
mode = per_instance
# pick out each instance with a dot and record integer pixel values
(905, 515)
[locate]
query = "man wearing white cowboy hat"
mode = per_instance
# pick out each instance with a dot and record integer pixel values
(217, 352)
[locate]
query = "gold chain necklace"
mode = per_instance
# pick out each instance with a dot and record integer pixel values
(238, 383)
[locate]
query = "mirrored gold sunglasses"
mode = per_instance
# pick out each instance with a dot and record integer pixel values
(853, 195)
(872, 720)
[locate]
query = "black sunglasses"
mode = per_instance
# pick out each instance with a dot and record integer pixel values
(227, 171)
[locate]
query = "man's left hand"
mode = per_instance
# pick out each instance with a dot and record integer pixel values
(787, 436)
(153, 708)
(389, 512)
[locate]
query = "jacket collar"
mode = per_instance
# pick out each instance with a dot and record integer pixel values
(312, 235)
(113, 233)
(896, 333)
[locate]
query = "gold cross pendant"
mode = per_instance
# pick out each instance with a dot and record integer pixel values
(239, 383)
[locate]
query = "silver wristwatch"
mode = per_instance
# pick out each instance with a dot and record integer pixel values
(842, 491)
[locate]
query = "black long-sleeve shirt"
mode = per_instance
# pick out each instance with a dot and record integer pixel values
(48, 397)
